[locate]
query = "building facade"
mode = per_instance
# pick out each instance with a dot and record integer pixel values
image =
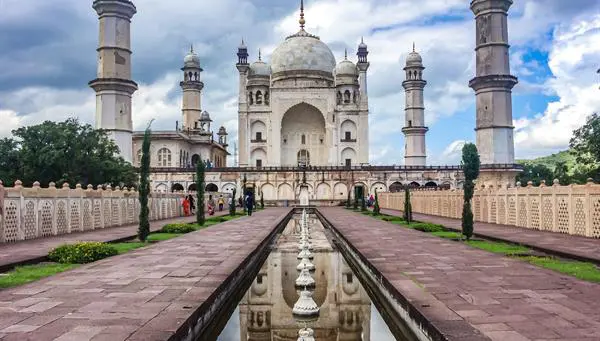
(303, 108)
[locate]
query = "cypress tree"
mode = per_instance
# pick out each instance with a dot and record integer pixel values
(200, 169)
(376, 209)
(243, 193)
(348, 201)
(407, 206)
(232, 204)
(363, 204)
(355, 206)
(144, 190)
(470, 164)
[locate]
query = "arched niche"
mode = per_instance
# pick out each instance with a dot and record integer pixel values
(258, 157)
(323, 191)
(379, 187)
(340, 191)
(348, 130)
(268, 192)
(177, 187)
(258, 131)
(348, 156)
(285, 192)
(212, 188)
(308, 121)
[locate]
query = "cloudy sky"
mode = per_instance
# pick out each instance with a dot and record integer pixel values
(47, 56)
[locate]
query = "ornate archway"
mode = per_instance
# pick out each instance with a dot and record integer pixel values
(303, 128)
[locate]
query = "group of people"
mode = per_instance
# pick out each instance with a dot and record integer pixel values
(189, 206)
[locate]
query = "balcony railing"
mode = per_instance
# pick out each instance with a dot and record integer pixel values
(258, 141)
(348, 140)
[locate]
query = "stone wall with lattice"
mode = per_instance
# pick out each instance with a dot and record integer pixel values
(573, 209)
(28, 213)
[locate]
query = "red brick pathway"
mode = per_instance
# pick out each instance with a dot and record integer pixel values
(33, 250)
(503, 298)
(143, 295)
(583, 248)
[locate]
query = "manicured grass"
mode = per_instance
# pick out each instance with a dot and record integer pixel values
(582, 270)
(29, 273)
(159, 236)
(126, 247)
(496, 247)
(447, 234)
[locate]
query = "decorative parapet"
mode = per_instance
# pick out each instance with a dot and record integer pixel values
(572, 209)
(28, 213)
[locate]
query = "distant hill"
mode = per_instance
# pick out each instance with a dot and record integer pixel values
(550, 161)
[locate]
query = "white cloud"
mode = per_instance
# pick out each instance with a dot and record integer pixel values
(10, 121)
(574, 49)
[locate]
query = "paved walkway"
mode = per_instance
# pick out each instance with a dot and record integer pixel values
(35, 250)
(466, 292)
(144, 295)
(587, 249)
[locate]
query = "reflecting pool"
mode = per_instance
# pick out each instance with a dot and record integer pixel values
(346, 311)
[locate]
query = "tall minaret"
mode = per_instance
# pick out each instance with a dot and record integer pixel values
(243, 67)
(414, 129)
(192, 86)
(363, 133)
(493, 83)
(113, 84)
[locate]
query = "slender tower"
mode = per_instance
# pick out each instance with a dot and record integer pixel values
(493, 85)
(192, 86)
(414, 130)
(363, 134)
(243, 67)
(113, 84)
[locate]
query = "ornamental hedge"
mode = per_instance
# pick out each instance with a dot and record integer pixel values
(178, 228)
(81, 253)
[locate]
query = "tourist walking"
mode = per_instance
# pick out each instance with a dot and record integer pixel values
(211, 205)
(192, 204)
(186, 206)
(221, 202)
(249, 203)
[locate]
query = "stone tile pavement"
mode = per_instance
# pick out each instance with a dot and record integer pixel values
(35, 250)
(583, 248)
(458, 287)
(145, 294)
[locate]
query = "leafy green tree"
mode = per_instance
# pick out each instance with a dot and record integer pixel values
(407, 215)
(64, 152)
(561, 172)
(470, 164)
(232, 204)
(10, 162)
(200, 179)
(144, 191)
(585, 145)
(535, 173)
(376, 209)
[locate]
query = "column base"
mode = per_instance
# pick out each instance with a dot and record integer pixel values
(497, 178)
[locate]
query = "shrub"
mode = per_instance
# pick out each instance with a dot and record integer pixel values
(427, 227)
(81, 253)
(391, 218)
(178, 228)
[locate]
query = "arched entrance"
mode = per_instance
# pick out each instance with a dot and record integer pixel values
(396, 187)
(303, 158)
(177, 188)
(430, 184)
(195, 159)
(212, 188)
(303, 129)
(192, 188)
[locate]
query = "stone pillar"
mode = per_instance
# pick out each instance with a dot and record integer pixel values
(113, 84)
(493, 85)
(243, 141)
(414, 128)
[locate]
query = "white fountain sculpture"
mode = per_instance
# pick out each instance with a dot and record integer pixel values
(305, 279)
(306, 334)
(305, 306)
(305, 252)
(305, 264)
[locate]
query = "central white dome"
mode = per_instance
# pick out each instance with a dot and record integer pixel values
(302, 52)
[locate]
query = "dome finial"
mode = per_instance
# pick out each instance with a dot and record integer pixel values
(302, 21)
(191, 48)
(259, 55)
(413, 46)
(346, 54)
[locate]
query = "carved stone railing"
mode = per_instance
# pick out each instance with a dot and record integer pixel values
(573, 209)
(29, 213)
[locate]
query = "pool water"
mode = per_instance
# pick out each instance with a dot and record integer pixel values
(346, 311)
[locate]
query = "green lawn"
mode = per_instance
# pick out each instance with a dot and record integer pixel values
(582, 270)
(160, 236)
(447, 234)
(29, 273)
(496, 247)
(127, 246)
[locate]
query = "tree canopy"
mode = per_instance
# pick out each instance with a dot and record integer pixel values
(63, 152)
(585, 145)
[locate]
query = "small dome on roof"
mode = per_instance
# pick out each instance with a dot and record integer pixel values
(191, 59)
(346, 67)
(205, 116)
(222, 131)
(260, 68)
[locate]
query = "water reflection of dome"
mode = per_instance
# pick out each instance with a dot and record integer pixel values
(289, 275)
